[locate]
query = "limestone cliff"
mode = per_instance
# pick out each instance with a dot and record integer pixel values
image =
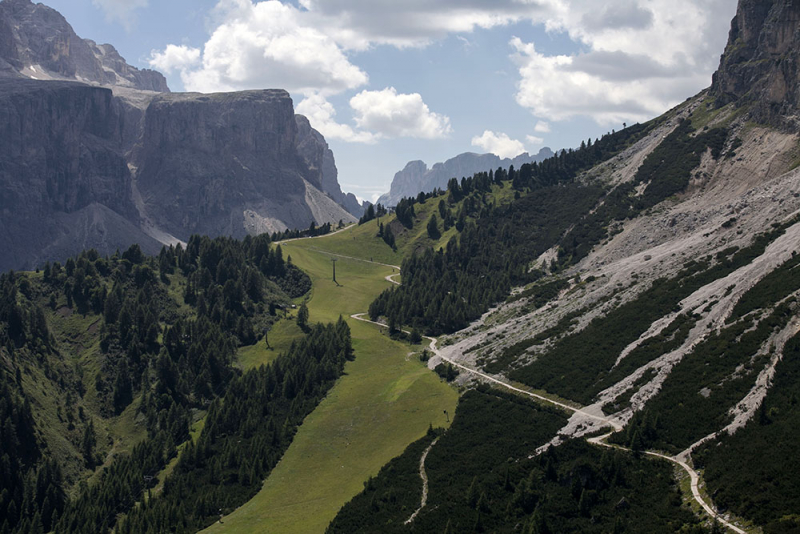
(227, 164)
(311, 145)
(37, 42)
(60, 158)
(759, 68)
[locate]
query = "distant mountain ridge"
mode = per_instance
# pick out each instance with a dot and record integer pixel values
(416, 176)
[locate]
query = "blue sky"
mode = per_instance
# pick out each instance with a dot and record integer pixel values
(387, 82)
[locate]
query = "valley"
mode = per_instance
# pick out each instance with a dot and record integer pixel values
(201, 332)
(386, 400)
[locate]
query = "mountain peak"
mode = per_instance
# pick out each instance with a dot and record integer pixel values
(759, 67)
(37, 42)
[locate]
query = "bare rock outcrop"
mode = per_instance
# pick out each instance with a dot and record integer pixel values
(207, 161)
(60, 155)
(37, 42)
(760, 65)
(311, 145)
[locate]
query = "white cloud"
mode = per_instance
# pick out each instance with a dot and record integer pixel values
(358, 24)
(542, 127)
(641, 58)
(121, 11)
(533, 140)
(378, 115)
(320, 113)
(174, 58)
(390, 114)
(499, 144)
(270, 45)
(550, 88)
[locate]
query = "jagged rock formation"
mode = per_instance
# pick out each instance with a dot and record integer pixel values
(64, 183)
(227, 164)
(311, 145)
(416, 176)
(37, 42)
(122, 160)
(760, 65)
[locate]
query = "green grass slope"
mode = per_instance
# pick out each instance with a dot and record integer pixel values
(385, 401)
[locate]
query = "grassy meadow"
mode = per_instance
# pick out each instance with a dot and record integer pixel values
(386, 400)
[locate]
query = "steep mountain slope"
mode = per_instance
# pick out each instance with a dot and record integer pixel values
(311, 145)
(37, 42)
(669, 307)
(416, 176)
(759, 68)
(227, 164)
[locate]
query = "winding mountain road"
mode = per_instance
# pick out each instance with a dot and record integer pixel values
(599, 440)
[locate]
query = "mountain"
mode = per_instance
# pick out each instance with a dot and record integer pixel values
(64, 181)
(228, 164)
(652, 280)
(622, 321)
(38, 43)
(416, 176)
(759, 68)
(313, 147)
(96, 153)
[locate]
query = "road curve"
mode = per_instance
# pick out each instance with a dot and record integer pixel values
(599, 440)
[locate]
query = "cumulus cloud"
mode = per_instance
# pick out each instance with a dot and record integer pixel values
(542, 127)
(174, 58)
(377, 115)
(390, 114)
(637, 59)
(640, 58)
(499, 144)
(321, 115)
(552, 89)
(122, 11)
(270, 44)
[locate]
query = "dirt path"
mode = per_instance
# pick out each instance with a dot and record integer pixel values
(694, 477)
(424, 476)
(599, 441)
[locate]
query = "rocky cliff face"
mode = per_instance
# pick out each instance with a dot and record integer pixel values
(227, 164)
(416, 176)
(760, 65)
(37, 42)
(60, 159)
(311, 145)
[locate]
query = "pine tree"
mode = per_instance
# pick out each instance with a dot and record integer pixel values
(433, 228)
(88, 444)
(472, 493)
(302, 317)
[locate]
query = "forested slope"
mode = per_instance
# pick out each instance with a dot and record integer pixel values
(107, 361)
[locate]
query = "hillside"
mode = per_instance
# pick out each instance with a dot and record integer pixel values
(665, 306)
(606, 340)
(416, 176)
